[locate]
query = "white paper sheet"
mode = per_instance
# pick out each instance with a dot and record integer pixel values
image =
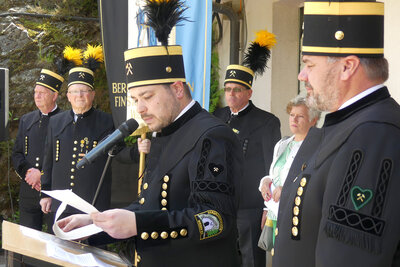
(271, 204)
(87, 259)
(67, 197)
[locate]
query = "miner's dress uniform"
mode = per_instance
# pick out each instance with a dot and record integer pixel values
(339, 204)
(258, 132)
(339, 207)
(186, 212)
(28, 153)
(68, 141)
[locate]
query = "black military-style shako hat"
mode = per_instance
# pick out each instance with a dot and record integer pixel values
(82, 71)
(255, 60)
(81, 75)
(343, 27)
(157, 64)
(239, 74)
(154, 65)
(50, 80)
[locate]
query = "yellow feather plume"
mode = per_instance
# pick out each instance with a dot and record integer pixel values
(95, 52)
(73, 54)
(158, 1)
(265, 39)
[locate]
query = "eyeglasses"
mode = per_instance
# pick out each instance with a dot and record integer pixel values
(234, 89)
(78, 92)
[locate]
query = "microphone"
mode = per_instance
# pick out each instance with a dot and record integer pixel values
(125, 129)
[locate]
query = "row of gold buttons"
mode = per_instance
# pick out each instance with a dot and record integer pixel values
(57, 149)
(164, 193)
(164, 234)
(296, 208)
(26, 145)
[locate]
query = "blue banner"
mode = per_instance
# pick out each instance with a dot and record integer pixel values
(194, 36)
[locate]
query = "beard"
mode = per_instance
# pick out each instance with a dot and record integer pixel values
(327, 99)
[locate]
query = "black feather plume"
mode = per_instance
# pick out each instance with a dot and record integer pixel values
(162, 16)
(63, 65)
(256, 58)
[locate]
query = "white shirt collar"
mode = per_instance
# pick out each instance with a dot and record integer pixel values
(361, 95)
(186, 109)
(55, 107)
(237, 113)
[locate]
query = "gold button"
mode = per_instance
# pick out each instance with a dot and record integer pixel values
(138, 258)
(37, 165)
(75, 149)
(297, 201)
(174, 234)
(303, 167)
(154, 235)
(299, 191)
(72, 184)
(72, 177)
(145, 186)
(164, 202)
(164, 208)
(164, 194)
(168, 69)
(72, 170)
(164, 186)
(295, 220)
(37, 159)
(144, 236)
(272, 252)
(276, 231)
(58, 141)
(164, 235)
(74, 155)
(75, 142)
(141, 201)
(183, 232)
(166, 178)
(95, 142)
(296, 210)
(73, 163)
(57, 158)
(303, 182)
(339, 35)
(295, 231)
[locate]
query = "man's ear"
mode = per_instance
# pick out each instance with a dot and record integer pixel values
(178, 89)
(350, 65)
(249, 92)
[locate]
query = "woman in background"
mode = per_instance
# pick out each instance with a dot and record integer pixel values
(301, 119)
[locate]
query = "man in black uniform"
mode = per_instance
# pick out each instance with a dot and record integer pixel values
(28, 153)
(339, 204)
(258, 132)
(186, 213)
(71, 135)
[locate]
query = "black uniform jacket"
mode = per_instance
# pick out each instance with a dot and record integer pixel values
(339, 205)
(69, 141)
(28, 149)
(258, 132)
(186, 213)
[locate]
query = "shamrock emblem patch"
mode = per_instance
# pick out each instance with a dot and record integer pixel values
(360, 197)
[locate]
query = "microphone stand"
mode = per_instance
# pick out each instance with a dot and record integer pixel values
(110, 156)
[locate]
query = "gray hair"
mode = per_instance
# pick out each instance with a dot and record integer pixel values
(375, 68)
(301, 100)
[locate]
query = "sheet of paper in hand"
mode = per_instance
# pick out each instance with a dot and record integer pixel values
(67, 197)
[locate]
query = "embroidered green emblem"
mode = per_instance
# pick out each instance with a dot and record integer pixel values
(360, 197)
(209, 223)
